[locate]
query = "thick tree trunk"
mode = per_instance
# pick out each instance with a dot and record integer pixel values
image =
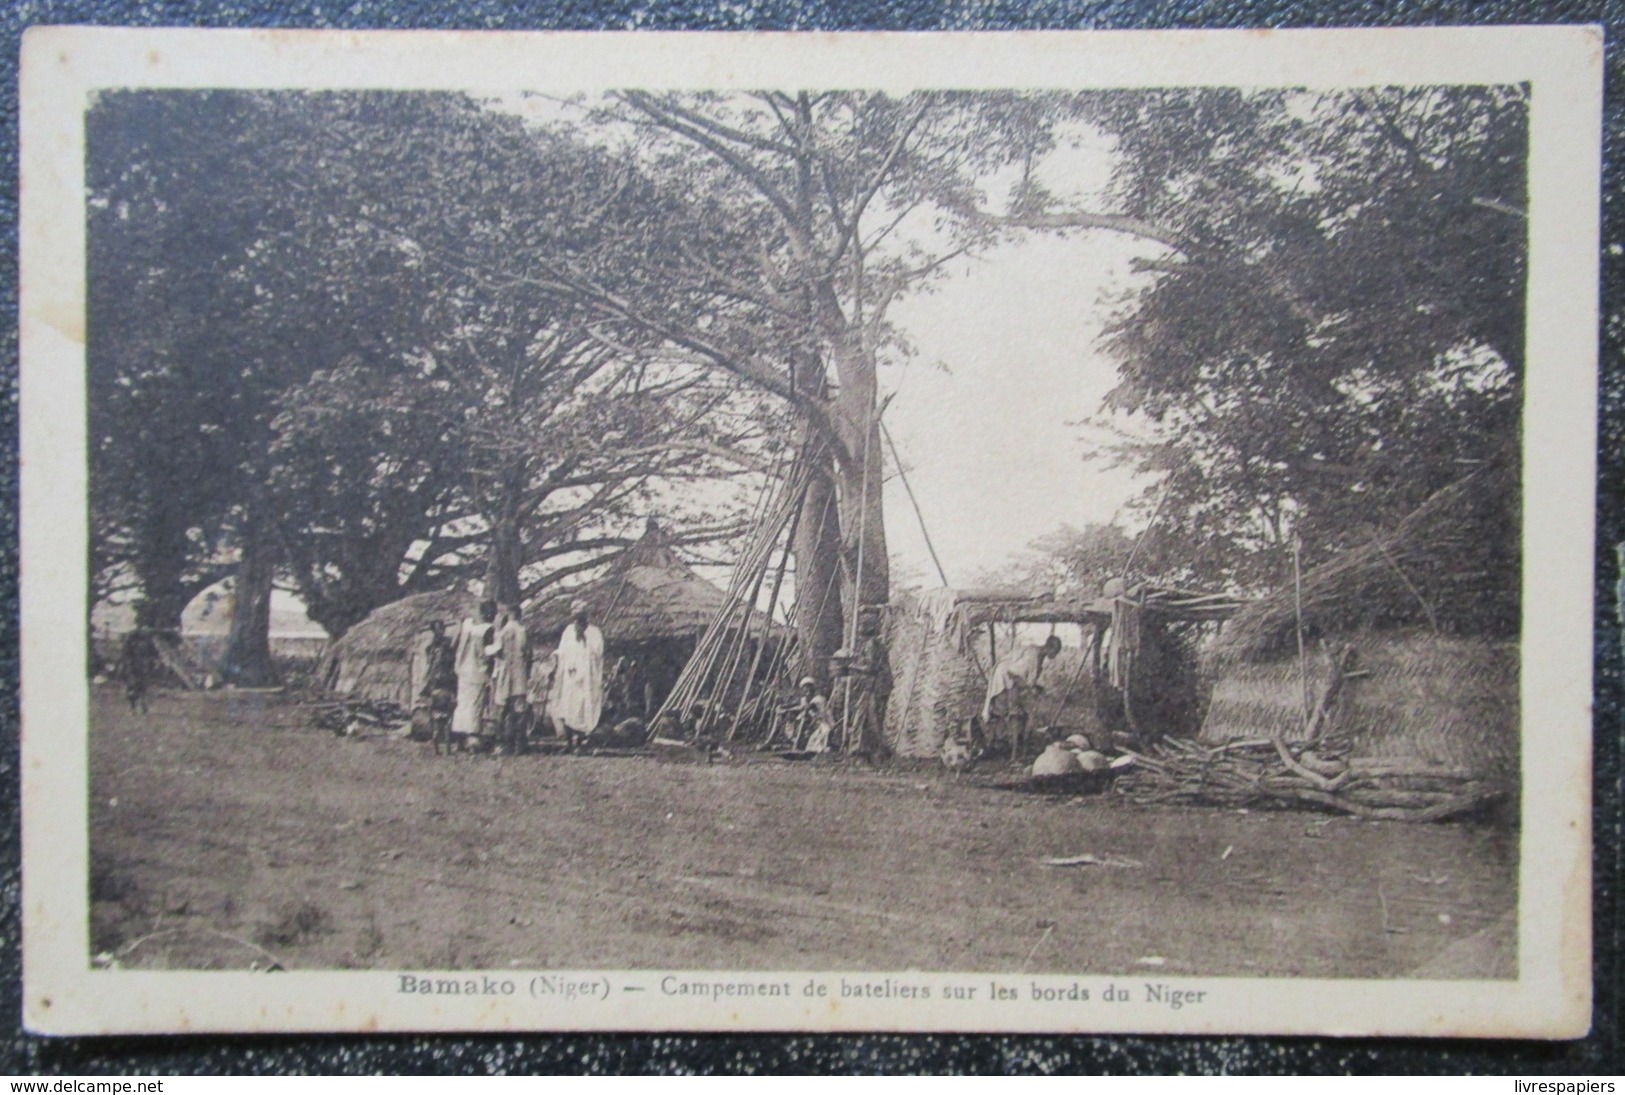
(502, 565)
(506, 556)
(818, 583)
(161, 567)
(160, 608)
(368, 578)
(863, 523)
(247, 661)
(867, 576)
(829, 570)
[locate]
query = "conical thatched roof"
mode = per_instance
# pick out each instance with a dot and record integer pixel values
(647, 593)
(1452, 566)
(374, 658)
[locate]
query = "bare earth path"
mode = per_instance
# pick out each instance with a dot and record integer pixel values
(223, 828)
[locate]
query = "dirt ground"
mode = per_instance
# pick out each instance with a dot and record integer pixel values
(226, 831)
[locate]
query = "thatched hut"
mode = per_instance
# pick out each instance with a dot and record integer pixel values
(646, 594)
(652, 608)
(373, 661)
(1417, 630)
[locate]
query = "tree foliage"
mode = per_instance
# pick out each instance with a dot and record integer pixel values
(1336, 331)
(1072, 562)
(297, 332)
(565, 429)
(380, 342)
(187, 266)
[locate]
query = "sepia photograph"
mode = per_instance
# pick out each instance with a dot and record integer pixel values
(1003, 548)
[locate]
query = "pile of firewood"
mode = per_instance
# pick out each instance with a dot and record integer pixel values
(1268, 772)
(352, 717)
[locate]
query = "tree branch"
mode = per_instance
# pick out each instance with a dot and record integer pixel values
(553, 577)
(867, 194)
(1107, 221)
(670, 117)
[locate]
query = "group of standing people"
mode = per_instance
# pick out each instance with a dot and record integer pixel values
(482, 688)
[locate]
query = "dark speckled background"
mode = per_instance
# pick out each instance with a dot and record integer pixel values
(768, 1054)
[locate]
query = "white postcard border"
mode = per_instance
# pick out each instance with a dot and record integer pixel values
(64, 67)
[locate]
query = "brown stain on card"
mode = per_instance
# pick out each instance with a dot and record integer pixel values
(67, 320)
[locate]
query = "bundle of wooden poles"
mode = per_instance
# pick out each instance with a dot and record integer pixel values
(725, 664)
(1266, 772)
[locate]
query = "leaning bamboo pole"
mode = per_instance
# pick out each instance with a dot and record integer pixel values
(736, 650)
(715, 646)
(772, 600)
(915, 503)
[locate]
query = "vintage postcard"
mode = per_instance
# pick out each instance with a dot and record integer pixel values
(934, 532)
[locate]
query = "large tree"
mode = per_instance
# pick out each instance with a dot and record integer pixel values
(563, 428)
(1335, 329)
(212, 294)
(302, 364)
(806, 216)
(184, 268)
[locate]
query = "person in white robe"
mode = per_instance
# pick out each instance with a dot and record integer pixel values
(577, 702)
(473, 673)
(510, 678)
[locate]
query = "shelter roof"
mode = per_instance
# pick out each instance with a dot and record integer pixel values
(392, 630)
(647, 593)
(1171, 603)
(1452, 565)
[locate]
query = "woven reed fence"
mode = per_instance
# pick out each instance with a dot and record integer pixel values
(1444, 701)
(936, 686)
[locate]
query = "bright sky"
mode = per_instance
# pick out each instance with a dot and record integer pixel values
(1008, 359)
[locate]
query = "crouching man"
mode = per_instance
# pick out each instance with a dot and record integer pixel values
(810, 717)
(1011, 690)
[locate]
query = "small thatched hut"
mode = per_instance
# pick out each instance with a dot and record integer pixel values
(1418, 627)
(373, 661)
(647, 594)
(652, 608)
